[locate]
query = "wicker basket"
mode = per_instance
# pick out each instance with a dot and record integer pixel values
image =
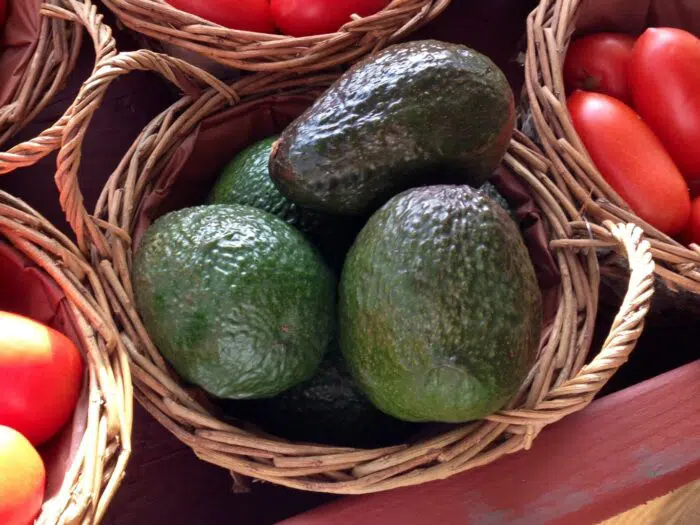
(549, 30)
(94, 450)
(560, 384)
(271, 52)
(46, 73)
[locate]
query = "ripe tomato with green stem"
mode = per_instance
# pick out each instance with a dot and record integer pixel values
(246, 15)
(22, 479)
(632, 160)
(40, 377)
(664, 77)
(317, 17)
(599, 63)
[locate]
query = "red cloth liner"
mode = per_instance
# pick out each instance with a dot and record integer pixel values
(19, 39)
(632, 16)
(27, 290)
(535, 235)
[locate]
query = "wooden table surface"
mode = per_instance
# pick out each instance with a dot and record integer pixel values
(679, 507)
(165, 483)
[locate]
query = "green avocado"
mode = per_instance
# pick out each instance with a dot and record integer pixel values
(246, 180)
(418, 113)
(440, 311)
(236, 300)
(329, 408)
(490, 191)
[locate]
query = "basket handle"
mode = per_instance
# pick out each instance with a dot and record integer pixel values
(577, 392)
(93, 91)
(87, 103)
(84, 13)
(629, 321)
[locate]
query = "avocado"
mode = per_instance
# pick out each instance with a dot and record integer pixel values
(329, 408)
(440, 311)
(417, 113)
(490, 191)
(246, 180)
(236, 300)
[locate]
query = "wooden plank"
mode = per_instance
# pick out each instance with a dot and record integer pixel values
(624, 450)
(680, 507)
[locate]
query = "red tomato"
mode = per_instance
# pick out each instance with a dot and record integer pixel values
(599, 63)
(664, 78)
(22, 479)
(692, 230)
(318, 17)
(246, 15)
(632, 160)
(40, 377)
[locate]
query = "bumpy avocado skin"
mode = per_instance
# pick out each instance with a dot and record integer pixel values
(235, 299)
(417, 113)
(492, 193)
(440, 311)
(246, 180)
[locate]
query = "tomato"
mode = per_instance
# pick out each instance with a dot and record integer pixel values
(40, 377)
(22, 479)
(599, 63)
(246, 15)
(632, 160)
(317, 17)
(664, 78)
(692, 229)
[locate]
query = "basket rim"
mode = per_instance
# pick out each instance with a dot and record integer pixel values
(551, 391)
(550, 27)
(46, 75)
(251, 51)
(105, 447)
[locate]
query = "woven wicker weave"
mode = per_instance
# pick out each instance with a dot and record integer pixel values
(53, 60)
(270, 52)
(549, 30)
(561, 382)
(98, 467)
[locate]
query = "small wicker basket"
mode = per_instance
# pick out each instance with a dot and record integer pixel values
(561, 382)
(550, 28)
(99, 449)
(252, 51)
(46, 73)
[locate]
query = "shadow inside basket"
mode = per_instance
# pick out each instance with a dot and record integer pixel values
(188, 175)
(29, 291)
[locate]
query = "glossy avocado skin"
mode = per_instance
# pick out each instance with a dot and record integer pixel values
(440, 310)
(416, 113)
(235, 299)
(246, 180)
